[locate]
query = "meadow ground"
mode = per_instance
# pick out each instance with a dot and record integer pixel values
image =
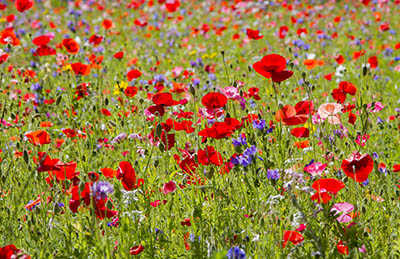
(199, 129)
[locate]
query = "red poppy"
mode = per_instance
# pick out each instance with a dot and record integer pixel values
(107, 24)
(254, 34)
(373, 62)
(209, 156)
(127, 175)
(108, 172)
(214, 100)
(80, 69)
(64, 170)
(70, 133)
(95, 40)
(70, 45)
(273, 66)
(185, 125)
(253, 92)
(300, 132)
(11, 251)
(340, 94)
(131, 91)
(289, 117)
(221, 130)
(283, 31)
(101, 210)
(396, 168)
(45, 163)
(119, 55)
(324, 188)
(293, 236)
(172, 5)
(42, 40)
(157, 110)
(81, 91)
(44, 50)
(105, 112)
(164, 99)
(133, 74)
(23, 5)
(342, 249)
(7, 36)
(304, 107)
(339, 59)
(136, 250)
(40, 137)
(3, 58)
(358, 166)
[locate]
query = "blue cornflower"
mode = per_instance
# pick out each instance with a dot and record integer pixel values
(259, 124)
(101, 189)
(273, 174)
(236, 253)
(241, 140)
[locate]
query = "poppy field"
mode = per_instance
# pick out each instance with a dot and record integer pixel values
(199, 129)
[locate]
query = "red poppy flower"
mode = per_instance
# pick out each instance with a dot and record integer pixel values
(101, 210)
(45, 163)
(70, 45)
(164, 99)
(119, 55)
(40, 137)
(342, 249)
(131, 91)
(7, 36)
(172, 5)
(304, 107)
(324, 188)
(42, 40)
(136, 250)
(373, 62)
(157, 110)
(396, 168)
(127, 175)
(209, 156)
(44, 50)
(293, 236)
(221, 130)
(185, 125)
(253, 92)
(108, 172)
(133, 74)
(300, 132)
(339, 59)
(105, 112)
(80, 69)
(214, 100)
(23, 5)
(65, 170)
(340, 94)
(107, 24)
(283, 31)
(95, 40)
(358, 166)
(273, 66)
(11, 251)
(289, 117)
(254, 34)
(3, 58)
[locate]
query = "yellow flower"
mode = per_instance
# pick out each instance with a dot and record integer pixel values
(120, 87)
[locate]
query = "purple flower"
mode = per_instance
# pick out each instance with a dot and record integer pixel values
(236, 253)
(241, 140)
(101, 189)
(273, 174)
(259, 124)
